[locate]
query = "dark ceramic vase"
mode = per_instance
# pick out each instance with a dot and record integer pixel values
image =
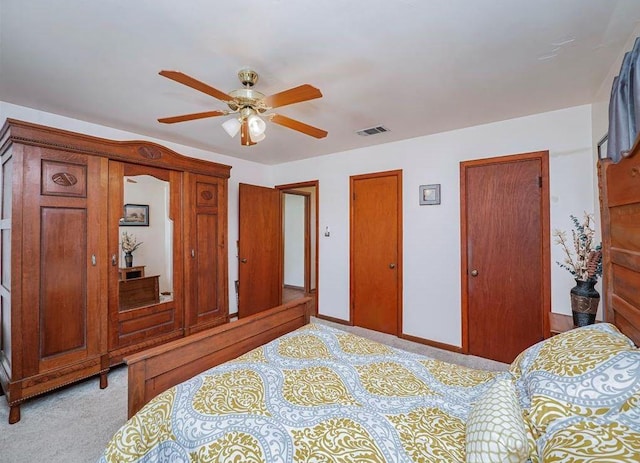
(584, 302)
(128, 259)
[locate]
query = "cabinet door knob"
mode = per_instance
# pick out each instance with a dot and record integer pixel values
(93, 260)
(392, 266)
(193, 253)
(474, 273)
(114, 260)
(244, 261)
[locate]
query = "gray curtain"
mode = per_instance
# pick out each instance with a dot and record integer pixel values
(624, 106)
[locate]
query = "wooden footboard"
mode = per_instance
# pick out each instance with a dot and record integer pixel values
(155, 370)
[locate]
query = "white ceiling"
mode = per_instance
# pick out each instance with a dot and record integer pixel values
(415, 66)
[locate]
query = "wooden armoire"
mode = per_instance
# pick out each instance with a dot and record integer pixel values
(61, 278)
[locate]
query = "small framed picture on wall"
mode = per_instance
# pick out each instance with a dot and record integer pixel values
(430, 194)
(135, 215)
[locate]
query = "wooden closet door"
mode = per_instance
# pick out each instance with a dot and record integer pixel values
(505, 254)
(135, 324)
(205, 229)
(64, 292)
(376, 251)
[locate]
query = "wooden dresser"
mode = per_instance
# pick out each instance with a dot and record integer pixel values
(138, 292)
(65, 313)
(127, 273)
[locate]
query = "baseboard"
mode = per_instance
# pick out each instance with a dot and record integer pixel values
(298, 288)
(426, 342)
(334, 320)
(438, 345)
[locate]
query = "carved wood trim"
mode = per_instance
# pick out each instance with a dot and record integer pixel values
(149, 152)
(135, 151)
(64, 179)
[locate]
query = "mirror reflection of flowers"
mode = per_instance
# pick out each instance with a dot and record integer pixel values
(129, 242)
(584, 258)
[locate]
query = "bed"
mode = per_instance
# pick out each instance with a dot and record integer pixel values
(275, 388)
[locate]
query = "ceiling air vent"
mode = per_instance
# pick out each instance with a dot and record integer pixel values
(372, 131)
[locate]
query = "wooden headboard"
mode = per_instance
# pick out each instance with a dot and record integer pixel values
(619, 186)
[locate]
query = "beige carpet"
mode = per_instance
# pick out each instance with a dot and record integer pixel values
(466, 360)
(72, 425)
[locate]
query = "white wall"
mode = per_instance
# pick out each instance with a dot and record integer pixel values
(432, 234)
(294, 240)
(242, 171)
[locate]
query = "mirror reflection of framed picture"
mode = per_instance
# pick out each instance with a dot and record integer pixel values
(135, 215)
(602, 146)
(430, 194)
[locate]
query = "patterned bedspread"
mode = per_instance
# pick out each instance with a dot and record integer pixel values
(317, 394)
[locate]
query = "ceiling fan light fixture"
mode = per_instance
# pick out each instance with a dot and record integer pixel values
(247, 104)
(231, 126)
(258, 138)
(256, 126)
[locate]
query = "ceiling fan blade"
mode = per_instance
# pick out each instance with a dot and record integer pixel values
(297, 125)
(191, 117)
(293, 95)
(196, 84)
(245, 137)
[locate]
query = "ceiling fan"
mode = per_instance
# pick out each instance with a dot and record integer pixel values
(248, 104)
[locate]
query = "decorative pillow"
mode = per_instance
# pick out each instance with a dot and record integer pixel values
(590, 441)
(495, 430)
(579, 343)
(586, 372)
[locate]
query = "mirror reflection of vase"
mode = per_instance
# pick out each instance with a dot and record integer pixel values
(128, 259)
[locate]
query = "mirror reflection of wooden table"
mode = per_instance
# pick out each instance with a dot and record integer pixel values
(136, 290)
(126, 273)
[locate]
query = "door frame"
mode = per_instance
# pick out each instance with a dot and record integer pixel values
(290, 188)
(543, 157)
(399, 263)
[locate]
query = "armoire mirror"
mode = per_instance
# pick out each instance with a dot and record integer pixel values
(154, 256)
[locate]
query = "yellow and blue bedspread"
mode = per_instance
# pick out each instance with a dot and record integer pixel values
(317, 394)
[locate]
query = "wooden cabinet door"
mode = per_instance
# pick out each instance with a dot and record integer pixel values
(206, 252)
(138, 316)
(64, 252)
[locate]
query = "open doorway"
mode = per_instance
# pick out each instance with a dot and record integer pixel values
(299, 241)
(261, 244)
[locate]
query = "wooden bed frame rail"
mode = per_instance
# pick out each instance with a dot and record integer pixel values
(156, 370)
